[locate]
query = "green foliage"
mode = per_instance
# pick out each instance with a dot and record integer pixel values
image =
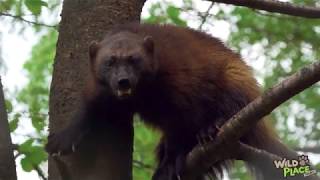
(288, 46)
(34, 155)
(35, 97)
(39, 69)
(13, 124)
(174, 14)
(161, 13)
(35, 6)
(21, 7)
(8, 105)
(145, 140)
(239, 171)
(18, 12)
(11, 5)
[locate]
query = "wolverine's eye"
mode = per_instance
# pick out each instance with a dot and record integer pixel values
(134, 59)
(110, 61)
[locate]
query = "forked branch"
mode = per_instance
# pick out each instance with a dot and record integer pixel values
(198, 160)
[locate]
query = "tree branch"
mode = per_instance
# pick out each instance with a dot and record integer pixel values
(40, 172)
(314, 149)
(198, 160)
(140, 164)
(276, 6)
(205, 16)
(20, 18)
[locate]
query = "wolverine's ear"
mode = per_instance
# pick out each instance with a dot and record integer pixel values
(148, 43)
(93, 48)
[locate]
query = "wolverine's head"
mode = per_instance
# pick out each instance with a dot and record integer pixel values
(121, 61)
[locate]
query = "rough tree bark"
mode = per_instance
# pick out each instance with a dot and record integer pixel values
(108, 156)
(7, 164)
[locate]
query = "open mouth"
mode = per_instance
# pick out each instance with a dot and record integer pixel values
(124, 92)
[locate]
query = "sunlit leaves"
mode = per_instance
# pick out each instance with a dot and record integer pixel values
(35, 96)
(39, 67)
(145, 140)
(161, 13)
(6, 5)
(35, 6)
(8, 105)
(21, 14)
(33, 155)
(13, 124)
(288, 44)
(174, 14)
(13, 116)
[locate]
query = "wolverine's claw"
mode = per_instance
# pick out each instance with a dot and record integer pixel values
(178, 177)
(73, 148)
(200, 142)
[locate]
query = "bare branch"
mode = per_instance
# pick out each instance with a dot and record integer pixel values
(276, 6)
(40, 172)
(314, 149)
(260, 159)
(140, 164)
(205, 16)
(244, 120)
(20, 18)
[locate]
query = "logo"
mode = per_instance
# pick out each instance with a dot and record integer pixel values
(295, 167)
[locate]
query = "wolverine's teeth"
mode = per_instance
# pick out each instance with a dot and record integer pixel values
(124, 92)
(119, 93)
(128, 91)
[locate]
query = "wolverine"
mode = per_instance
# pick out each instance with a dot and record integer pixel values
(179, 80)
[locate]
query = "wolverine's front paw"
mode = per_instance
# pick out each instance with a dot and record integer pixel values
(63, 143)
(165, 173)
(171, 171)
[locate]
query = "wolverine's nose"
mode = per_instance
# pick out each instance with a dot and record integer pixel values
(124, 83)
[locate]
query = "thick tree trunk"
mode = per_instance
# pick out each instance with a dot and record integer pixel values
(7, 164)
(109, 156)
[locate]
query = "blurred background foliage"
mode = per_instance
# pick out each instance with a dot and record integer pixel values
(274, 45)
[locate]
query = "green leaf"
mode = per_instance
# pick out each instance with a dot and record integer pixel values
(173, 11)
(8, 106)
(37, 121)
(33, 155)
(26, 146)
(26, 164)
(174, 15)
(13, 124)
(37, 155)
(35, 6)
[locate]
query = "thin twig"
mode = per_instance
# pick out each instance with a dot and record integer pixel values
(205, 16)
(314, 149)
(27, 21)
(276, 6)
(140, 164)
(40, 172)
